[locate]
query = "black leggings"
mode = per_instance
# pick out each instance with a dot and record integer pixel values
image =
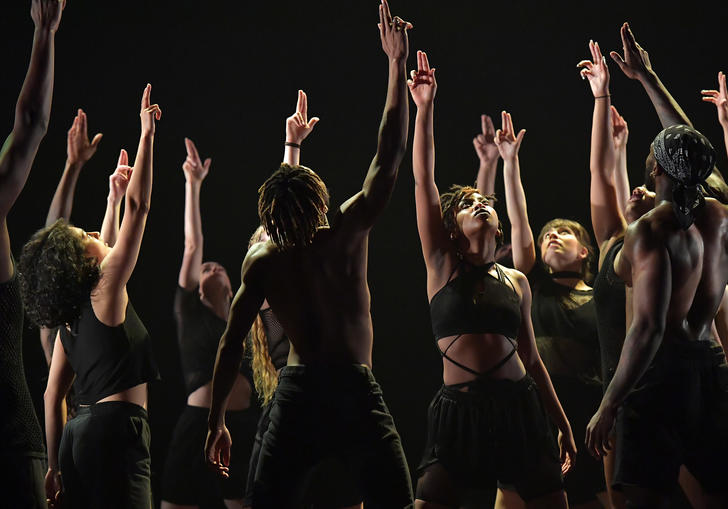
(104, 457)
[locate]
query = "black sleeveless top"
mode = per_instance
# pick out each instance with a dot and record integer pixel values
(19, 428)
(565, 327)
(610, 301)
(199, 331)
(106, 359)
(475, 302)
(278, 345)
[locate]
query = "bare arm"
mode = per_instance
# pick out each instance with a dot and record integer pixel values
(362, 209)
(32, 114)
(620, 134)
(195, 172)
(118, 182)
(607, 219)
(487, 151)
(298, 127)
(636, 65)
(522, 244)
(60, 379)
(721, 321)
(528, 352)
(243, 311)
(651, 290)
(720, 99)
(110, 302)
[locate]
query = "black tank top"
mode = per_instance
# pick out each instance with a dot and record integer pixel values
(106, 359)
(20, 431)
(565, 328)
(198, 335)
(278, 345)
(609, 299)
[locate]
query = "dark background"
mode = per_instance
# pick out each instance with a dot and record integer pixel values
(226, 75)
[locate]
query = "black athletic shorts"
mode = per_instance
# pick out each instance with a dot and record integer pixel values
(187, 480)
(678, 414)
(330, 442)
(104, 457)
(496, 433)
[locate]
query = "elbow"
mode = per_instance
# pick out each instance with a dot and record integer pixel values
(136, 206)
(31, 119)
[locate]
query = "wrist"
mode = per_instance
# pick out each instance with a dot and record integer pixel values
(53, 468)
(292, 143)
(74, 165)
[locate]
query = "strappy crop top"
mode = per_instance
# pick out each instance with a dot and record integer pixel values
(475, 302)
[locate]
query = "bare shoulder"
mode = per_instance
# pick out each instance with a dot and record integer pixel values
(256, 258)
(519, 280)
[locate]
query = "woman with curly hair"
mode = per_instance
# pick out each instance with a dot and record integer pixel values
(489, 423)
(73, 279)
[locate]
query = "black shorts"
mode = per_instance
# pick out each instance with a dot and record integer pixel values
(496, 433)
(678, 414)
(580, 401)
(22, 478)
(255, 454)
(187, 480)
(329, 427)
(104, 457)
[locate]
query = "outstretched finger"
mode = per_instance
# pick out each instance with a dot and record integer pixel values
(483, 124)
(617, 59)
(722, 84)
(387, 13)
(489, 128)
(585, 63)
(425, 62)
(313, 122)
(630, 38)
(97, 139)
(192, 149)
(511, 130)
(598, 53)
(504, 122)
(82, 124)
(382, 24)
(711, 99)
(592, 50)
(207, 164)
(146, 95)
(123, 158)
(300, 102)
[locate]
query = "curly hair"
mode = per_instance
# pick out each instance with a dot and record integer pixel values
(449, 202)
(292, 205)
(56, 276)
(265, 377)
(582, 235)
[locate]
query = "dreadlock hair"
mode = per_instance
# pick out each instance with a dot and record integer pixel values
(582, 235)
(449, 202)
(56, 276)
(265, 377)
(292, 205)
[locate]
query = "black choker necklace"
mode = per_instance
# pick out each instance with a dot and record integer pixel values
(566, 274)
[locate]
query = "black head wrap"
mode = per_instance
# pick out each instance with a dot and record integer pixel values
(687, 157)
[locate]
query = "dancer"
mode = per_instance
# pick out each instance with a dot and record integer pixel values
(487, 424)
(327, 412)
(22, 451)
(562, 310)
(201, 306)
(670, 383)
(72, 279)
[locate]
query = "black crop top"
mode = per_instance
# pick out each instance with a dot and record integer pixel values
(106, 359)
(199, 331)
(475, 302)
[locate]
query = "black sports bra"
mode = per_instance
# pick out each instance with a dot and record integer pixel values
(475, 302)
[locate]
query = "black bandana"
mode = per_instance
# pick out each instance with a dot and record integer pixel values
(687, 157)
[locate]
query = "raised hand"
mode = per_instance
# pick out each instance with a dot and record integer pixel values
(636, 62)
(596, 71)
(217, 451)
(119, 180)
(393, 32)
(620, 130)
(505, 138)
(298, 125)
(484, 143)
(193, 167)
(422, 84)
(78, 147)
(720, 99)
(46, 14)
(149, 112)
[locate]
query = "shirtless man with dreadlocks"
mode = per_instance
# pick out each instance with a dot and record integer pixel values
(327, 412)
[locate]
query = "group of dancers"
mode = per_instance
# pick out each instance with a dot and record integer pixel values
(615, 352)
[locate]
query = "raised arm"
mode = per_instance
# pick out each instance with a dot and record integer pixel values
(361, 210)
(32, 113)
(487, 151)
(522, 244)
(528, 352)
(720, 99)
(118, 182)
(651, 290)
(78, 152)
(636, 65)
(298, 127)
(243, 311)
(620, 135)
(607, 219)
(195, 172)
(110, 302)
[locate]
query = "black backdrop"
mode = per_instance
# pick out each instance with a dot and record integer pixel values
(226, 75)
